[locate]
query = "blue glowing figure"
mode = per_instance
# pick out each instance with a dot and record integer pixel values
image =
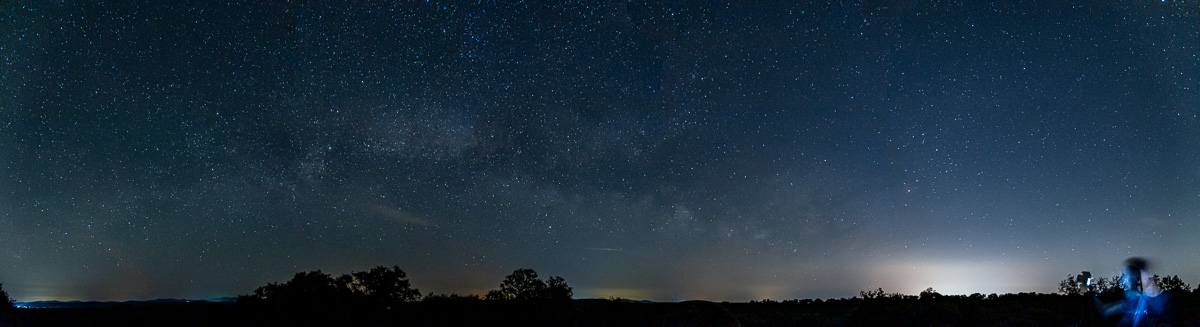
(1145, 304)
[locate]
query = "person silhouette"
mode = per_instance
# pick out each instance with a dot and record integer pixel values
(1145, 304)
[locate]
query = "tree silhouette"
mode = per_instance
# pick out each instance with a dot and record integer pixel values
(873, 294)
(930, 294)
(388, 286)
(307, 287)
(1173, 283)
(450, 297)
(1073, 285)
(381, 288)
(557, 289)
(1077, 284)
(5, 301)
(878, 293)
(524, 285)
(1108, 285)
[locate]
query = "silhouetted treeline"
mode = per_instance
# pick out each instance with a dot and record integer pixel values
(1078, 284)
(380, 288)
(383, 296)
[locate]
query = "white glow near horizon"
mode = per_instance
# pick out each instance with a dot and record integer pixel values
(957, 277)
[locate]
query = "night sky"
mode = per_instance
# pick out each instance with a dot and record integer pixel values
(701, 150)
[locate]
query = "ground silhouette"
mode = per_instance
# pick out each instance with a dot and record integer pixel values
(383, 296)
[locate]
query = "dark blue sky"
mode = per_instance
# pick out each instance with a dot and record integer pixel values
(721, 151)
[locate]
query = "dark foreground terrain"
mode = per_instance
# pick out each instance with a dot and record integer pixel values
(1024, 309)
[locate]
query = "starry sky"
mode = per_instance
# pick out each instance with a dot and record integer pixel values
(647, 150)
